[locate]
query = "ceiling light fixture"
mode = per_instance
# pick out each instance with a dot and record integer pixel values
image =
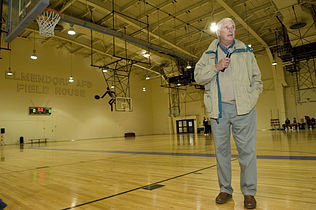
(71, 31)
(213, 27)
(144, 89)
(274, 63)
(147, 77)
(104, 69)
(9, 72)
(34, 56)
(71, 79)
(146, 55)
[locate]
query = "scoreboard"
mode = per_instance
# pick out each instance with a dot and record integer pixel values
(40, 110)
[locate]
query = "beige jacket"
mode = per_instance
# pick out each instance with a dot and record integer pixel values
(245, 73)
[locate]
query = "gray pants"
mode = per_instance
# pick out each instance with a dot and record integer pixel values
(244, 129)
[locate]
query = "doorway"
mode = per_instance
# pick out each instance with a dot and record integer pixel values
(185, 126)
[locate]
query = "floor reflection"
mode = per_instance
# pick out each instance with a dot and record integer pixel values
(21, 147)
(2, 153)
(186, 139)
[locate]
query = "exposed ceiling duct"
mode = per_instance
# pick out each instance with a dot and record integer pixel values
(298, 17)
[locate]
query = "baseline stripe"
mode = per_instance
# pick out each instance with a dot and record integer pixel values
(286, 157)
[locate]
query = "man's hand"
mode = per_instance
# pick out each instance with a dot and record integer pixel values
(224, 63)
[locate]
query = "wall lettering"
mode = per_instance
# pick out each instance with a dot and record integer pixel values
(40, 84)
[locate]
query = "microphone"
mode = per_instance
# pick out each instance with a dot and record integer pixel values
(229, 53)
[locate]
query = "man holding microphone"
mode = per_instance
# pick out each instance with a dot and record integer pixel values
(232, 80)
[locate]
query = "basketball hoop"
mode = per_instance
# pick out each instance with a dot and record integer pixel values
(47, 22)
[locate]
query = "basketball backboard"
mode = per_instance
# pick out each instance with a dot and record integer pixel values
(123, 104)
(20, 14)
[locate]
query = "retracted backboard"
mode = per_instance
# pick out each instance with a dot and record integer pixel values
(20, 14)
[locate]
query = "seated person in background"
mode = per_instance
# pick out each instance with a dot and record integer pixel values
(302, 123)
(287, 123)
(308, 121)
(294, 123)
(313, 122)
(205, 123)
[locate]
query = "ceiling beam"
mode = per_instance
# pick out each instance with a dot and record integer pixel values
(81, 44)
(242, 22)
(122, 9)
(101, 6)
(137, 42)
(67, 5)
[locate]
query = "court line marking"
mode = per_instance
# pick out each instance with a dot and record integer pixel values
(279, 157)
(137, 188)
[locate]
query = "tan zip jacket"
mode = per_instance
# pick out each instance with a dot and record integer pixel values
(246, 77)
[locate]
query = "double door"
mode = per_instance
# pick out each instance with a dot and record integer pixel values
(185, 126)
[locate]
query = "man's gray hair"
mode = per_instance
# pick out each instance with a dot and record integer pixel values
(219, 24)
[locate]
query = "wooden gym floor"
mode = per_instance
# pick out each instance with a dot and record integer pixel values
(154, 172)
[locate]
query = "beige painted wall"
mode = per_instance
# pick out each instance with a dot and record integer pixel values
(268, 104)
(76, 115)
(293, 108)
(160, 114)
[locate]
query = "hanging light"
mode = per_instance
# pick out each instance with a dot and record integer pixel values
(9, 72)
(71, 31)
(189, 66)
(34, 56)
(104, 70)
(147, 77)
(274, 63)
(112, 86)
(144, 89)
(146, 55)
(179, 84)
(213, 27)
(71, 79)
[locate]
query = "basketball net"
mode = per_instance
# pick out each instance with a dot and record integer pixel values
(47, 22)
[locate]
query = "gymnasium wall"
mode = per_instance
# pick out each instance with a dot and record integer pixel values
(75, 112)
(268, 104)
(160, 109)
(293, 108)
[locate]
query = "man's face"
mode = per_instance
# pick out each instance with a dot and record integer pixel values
(227, 32)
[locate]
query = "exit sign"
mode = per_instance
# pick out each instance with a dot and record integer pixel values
(40, 110)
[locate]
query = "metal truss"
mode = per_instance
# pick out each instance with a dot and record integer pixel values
(116, 76)
(174, 102)
(180, 95)
(306, 80)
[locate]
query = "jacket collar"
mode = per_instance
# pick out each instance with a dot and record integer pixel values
(213, 46)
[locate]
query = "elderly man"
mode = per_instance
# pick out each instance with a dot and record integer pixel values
(232, 80)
